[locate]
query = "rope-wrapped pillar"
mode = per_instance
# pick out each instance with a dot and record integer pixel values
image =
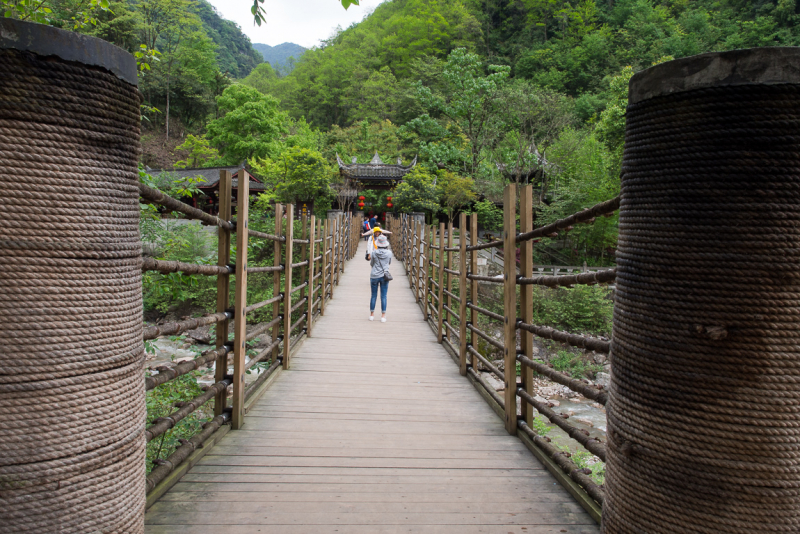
(704, 409)
(71, 365)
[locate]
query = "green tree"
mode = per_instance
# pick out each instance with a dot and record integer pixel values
(417, 192)
(297, 174)
(249, 127)
(201, 153)
(469, 99)
(490, 216)
(456, 191)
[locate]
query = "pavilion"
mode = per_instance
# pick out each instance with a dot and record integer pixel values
(376, 174)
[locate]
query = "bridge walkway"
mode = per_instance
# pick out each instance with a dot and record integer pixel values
(372, 431)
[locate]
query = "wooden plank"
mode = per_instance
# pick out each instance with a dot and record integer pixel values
(256, 396)
(324, 251)
(322, 440)
(240, 301)
(510, 305)
(223, 285)
(370, 529)
(287, 287)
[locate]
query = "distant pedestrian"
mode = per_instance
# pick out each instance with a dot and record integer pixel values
(373, 221)
(367, 227)
(371, 236)
(380, 259)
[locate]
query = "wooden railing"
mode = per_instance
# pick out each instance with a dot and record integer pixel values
(428, 255)
(305, 272)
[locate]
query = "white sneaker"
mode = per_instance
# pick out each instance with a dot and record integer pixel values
(383, 319)
(371, 318)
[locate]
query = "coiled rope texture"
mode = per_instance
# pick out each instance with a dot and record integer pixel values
(704, 407)
(71, 371)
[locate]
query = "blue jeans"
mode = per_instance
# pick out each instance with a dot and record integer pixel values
(384, 285)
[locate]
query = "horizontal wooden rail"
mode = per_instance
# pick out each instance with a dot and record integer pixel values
(165, 467)
(263, 328)
(171, 329)
(183, 368)
(484, 311)
(560, 420)
(163, 424)
(604, 208)
(597, 395)
(263, 377)
(483, 335)
(488, 387)
(581, 476)
(155, 196)
(269, 269)
(300, 287)
(489, 365)
(261, 356)
(299, 304)
(262, 235)
(165, 267)
(490, 279)
(263, 303)
(581, 342)
(452, 313)
(590, 278)
(452, 296)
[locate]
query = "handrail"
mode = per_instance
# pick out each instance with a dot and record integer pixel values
(171, 329)
(155, 196)
(165, 267)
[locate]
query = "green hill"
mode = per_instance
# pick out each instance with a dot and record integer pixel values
(277, 55)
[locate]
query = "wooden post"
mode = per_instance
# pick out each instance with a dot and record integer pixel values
(417, 261)
(448, 276)
(223, 285)
(410, 260)
(240, 296)
(526, 294)
(334, 255)
(440, 308)
(510, 304)
(311, 250)
(462, 294)
(324, 266)
(276, 277)
(287, 287)
(304, 254)
(473, 287)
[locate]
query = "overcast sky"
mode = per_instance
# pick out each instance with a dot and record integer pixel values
(304, 22)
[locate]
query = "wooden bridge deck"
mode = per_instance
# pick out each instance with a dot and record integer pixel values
(372, 431)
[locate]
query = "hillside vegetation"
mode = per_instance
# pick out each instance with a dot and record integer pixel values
(282, 57)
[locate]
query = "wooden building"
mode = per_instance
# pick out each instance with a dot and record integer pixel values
(374, 175)
(208, 198)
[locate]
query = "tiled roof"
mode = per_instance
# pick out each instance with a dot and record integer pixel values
(375, 169)
(210, 176)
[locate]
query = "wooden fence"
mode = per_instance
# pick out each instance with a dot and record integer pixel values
(305, 273)
(428, 255)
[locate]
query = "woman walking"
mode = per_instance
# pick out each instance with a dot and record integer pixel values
(380, 259)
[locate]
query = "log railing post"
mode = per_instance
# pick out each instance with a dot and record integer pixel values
(410, 260)
(440, 293)
(418, 262)
(334, 250)
(324, 291)
(449, 277)
(510, 305)
(462, 294)
(276, 277)
(311, 272)
(473, 286)
(223, 286)
(240, 301)
(304, 254)
(526, 295)
(287, 287)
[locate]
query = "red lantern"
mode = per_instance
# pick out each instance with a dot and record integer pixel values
(389, 199)
(389, 205)
(362, 198)
(361, 205)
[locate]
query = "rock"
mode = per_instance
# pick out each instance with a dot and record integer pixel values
(555, 403)
(200, 335)
(540, 399)
(600, 359)
(603, 379)
(584, 422)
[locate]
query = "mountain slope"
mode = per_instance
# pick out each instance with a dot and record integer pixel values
(277, 55)
(235, 53)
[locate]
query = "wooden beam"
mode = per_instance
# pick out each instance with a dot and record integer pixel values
(441, 282)
(526, 295)
(324, 291)
(510, 305)
(276, 276)
(223, 285)
(311, 272)
(462, 294)
(240, 302)
(473, 288)
(287, 287)
(448, 276)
